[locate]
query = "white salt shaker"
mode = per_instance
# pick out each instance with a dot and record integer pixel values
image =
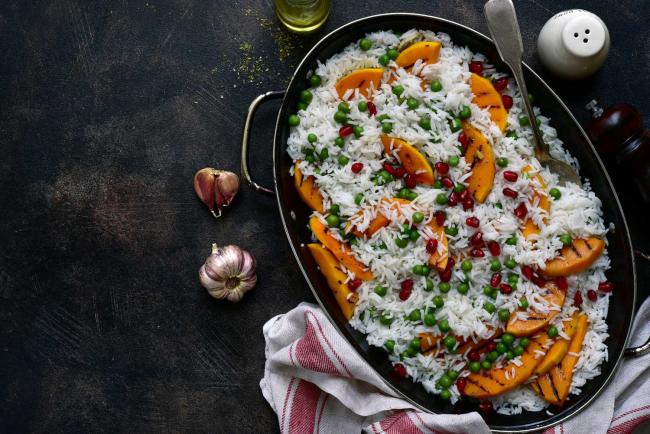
(573, 44)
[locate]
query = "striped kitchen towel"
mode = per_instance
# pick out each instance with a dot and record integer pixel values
(317, 383)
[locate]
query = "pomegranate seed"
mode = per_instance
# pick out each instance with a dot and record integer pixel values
(605, 286)
(562, 283)
(591, 295)
(409, 181)
(538, 280)
(577, 299)
(461, 383)
(527, 271)
(440, 217)
(505, 288)
(345, 131)
(476, 240)
(442, 168)
(453, 199)
(494, 248)
(476, 67)
(464, 140)
(445, 276)
(472, 222)
(357, 167)
(372, 108)
(468, 203)
(507, 101)
(464, 195)
(399, 370)
(495, 280)
(509, 192)
(500, 83)
(447, 182)
(400, 172)
(510, 176)
(354, 284)
(521, 210)
(404, 294)
(485, 407)
(432, 246)
(389, 168)
(407, 284)
(477, 253)
(473, 356)
(491, 346)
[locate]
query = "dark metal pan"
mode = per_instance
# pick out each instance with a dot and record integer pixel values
(295, 215)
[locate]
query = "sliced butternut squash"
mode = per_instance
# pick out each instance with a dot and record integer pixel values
(439, 259)
(330, 267)
(530, 228)
(537, 320)
(381, 220)
(486, 96)
(544, 386)
(307, 190)
(480, 156)
(500, 380)
(427, 51)
(560, 347)
(341, 251)
(428, 341)
(412, 160)
(361, 79)
(575, 258)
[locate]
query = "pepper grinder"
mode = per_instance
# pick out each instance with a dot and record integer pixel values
(618, 134)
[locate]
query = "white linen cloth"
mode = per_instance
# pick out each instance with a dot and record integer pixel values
(317, 383)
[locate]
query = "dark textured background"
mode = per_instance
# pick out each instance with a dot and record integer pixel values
(107, 110)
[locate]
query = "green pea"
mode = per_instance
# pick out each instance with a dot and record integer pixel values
(455, 125)
(474, 366)
(463, 288)
(511, 263)
(489, 291)
(451, 230)
(523, 302)
(344, 107)
(417, 269)
(444, 287)
(333, 221)
(307, 151)
(418, 217)
(392, 54)
(453, 162)
(412, 103)
(504, 314)
(315, 80)
(555, 193)
(401, 242)
(358, 131)
(495, 265)
(339, 141)
(412, 195)
(398, 89)
(512, 241)
(502, 161)
(384, 60)
(415, 344)
(414, 236)
(449, 341)
(403, 193)
(416, 315)
(343, 160)
(365, 44)
(301, 106)
(453, 374)
(518, 350)
(362, 106)
(385, 176)
(312, 138)
(385, 318)
(437, 184)
(324, 153)
(404, 355)
(441, 199)
(425, 123)
(524, 342)
(358, 198)
(507, 339)
(566, 240)
(458, 188)
(306, 96)
(335, 209)
(428, 285)
(294, 120)
(430, 319)
(501, 348)
(531, 98)
(389, 345)
(466, 265)
(498, 205)
(492, 356)
(552, 332)
(512, 134)
(381, 290)
(340, 117)
(465, 112)
(489, 307)
(486, 364)
(509, 355)
(443, 325)
(445, 395)
(386, 127)
(524, 121)
(436, 86)
(311, 159)
(438, 301)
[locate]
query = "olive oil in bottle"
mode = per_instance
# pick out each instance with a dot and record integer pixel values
(302, 16)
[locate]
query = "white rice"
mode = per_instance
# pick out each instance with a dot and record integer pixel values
(577, 213)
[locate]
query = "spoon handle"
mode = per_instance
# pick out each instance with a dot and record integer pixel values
(504, 28)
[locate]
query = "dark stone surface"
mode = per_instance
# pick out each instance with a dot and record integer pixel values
(108, 109)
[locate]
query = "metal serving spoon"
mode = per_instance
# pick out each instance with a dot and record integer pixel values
(502, 22)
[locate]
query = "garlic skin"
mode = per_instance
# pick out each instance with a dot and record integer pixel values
(229, 272)
(216, 188)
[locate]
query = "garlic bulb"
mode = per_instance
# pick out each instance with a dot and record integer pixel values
(216, 188)
(229, 272)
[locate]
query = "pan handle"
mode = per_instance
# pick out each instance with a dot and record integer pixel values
(255, 104)
(644, 348)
